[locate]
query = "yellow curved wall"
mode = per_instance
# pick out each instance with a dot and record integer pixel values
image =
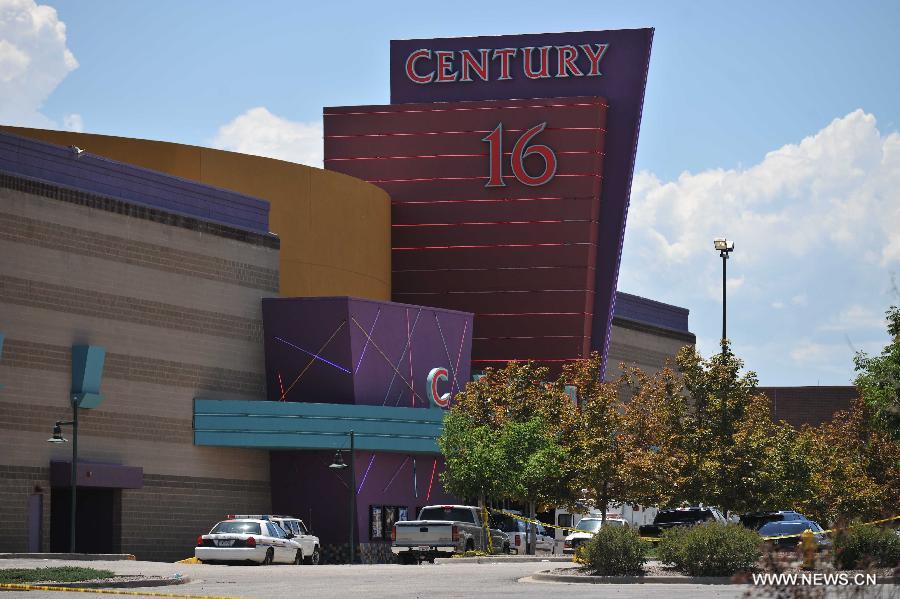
(335, 230)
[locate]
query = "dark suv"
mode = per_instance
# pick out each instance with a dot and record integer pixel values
(683, 516)
(782, 523)
(755, 520)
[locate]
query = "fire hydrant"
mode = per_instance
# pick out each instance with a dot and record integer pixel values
(808, 548)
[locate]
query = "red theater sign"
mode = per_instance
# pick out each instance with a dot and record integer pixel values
(425, 66)
(508, 161)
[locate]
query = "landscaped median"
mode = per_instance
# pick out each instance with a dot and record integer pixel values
(80, 578)
(862, 555)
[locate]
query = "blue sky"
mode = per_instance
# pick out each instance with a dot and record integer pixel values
(773, 123)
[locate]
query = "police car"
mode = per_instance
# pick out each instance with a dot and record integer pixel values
(253, 540)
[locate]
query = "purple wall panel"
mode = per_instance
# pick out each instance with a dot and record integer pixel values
(349, 350)
(95, 174)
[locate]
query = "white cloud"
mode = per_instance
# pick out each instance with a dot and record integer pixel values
(262, 133)
(34, 59)
(73, 122)
(856, 317)
(817, 222)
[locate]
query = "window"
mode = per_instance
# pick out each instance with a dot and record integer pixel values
(447, 513)
(247, 528)
(295, 527)
(275, 530)
(301, 528)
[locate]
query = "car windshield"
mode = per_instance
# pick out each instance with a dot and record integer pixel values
(668, 517)
(589, 525)
(453, 514)
(508, 524)
(774, 529)
(231, 526)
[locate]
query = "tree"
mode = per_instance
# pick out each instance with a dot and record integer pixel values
(736, 457)
(516, 423)
(879, 379)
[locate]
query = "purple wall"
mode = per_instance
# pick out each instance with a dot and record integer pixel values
(649, 311)
(349, 350)
(94, 174)
(304, 486)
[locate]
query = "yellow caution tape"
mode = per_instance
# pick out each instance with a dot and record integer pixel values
(656, 539)
(34, 587)
(189, 560)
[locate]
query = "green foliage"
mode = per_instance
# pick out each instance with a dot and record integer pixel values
(475, 462)
(62, 574)
(711, 549)
(878, 380)
(866, 545)
(615, 551)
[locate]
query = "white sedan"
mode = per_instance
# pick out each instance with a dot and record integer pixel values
(238, 540)
(585, 531)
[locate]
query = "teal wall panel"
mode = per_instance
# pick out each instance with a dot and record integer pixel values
(289, 425)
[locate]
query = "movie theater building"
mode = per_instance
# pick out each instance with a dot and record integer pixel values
(225, 321)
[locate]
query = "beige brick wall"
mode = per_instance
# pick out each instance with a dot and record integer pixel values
(178, 311)
(644, 346)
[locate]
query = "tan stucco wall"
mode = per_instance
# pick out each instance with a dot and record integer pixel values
(335, 230)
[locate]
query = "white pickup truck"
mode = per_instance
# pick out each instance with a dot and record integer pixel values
(441, 531)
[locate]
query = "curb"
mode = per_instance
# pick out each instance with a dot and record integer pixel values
(717, 580)
(125, 584)
(85, 557)
(540, 576)
(503, 559)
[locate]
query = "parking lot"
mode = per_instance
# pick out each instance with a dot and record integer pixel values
(427, 580)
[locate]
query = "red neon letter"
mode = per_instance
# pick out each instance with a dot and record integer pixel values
(544, 70)
(594, 57)
(445, 73)
(411, 67)
(495, 141)
(480, 68)
(519, 154)
(505, 55)
(566, 61)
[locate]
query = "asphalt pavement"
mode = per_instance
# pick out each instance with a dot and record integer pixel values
(387, 580)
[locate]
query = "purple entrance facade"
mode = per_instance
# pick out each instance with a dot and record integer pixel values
(365, 353)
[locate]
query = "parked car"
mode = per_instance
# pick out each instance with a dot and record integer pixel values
(585, 531)
(309, 543)
(517, 530)
(794, 528)
(682, 516)
(441, 531)
(252, 540)
(755, 520)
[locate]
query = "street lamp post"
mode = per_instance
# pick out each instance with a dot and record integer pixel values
(339, 464)
(58, 438)
(724, 247)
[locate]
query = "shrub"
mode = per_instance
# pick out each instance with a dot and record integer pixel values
(615, 551)
(710, 549)
(866, 545)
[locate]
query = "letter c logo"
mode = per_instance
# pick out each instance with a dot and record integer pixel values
(437, 374)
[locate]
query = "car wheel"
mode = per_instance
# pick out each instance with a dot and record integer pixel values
(406, 559)
(270, 556)
(312, 560)
(470, 545)
(298, 558)
(506, 549)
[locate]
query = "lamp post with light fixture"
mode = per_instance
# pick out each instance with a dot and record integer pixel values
(339, 464)
(58, 438)
(724, 247)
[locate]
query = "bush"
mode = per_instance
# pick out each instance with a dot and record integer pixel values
(710, 549)
(866, 545)
(615, 551)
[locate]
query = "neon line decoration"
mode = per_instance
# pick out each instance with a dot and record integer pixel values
(366, 346)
